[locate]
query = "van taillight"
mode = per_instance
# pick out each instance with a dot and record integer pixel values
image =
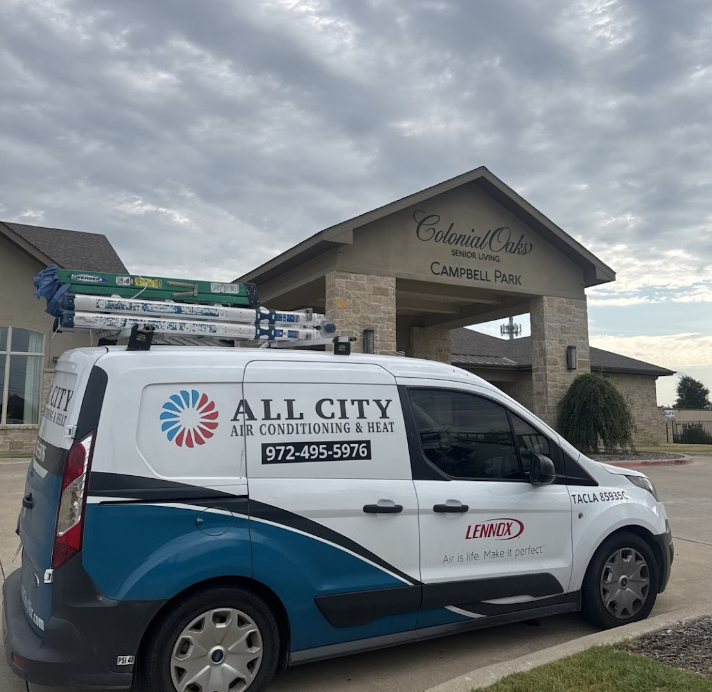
(72, 502)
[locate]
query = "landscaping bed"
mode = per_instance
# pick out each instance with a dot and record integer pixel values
(688, 646)
(637, 456)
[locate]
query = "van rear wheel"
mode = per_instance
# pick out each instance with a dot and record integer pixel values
(220, 640)
(621, 582)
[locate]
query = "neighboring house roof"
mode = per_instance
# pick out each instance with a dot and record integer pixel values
(467, 343)
(595, 271)
(67, 249)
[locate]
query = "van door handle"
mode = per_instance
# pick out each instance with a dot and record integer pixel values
(28, 502)
(451, 509)
(383, 509)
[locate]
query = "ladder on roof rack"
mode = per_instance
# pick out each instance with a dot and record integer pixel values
(126, 312)
(155, 288)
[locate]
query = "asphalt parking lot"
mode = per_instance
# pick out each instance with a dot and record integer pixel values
(686, 491)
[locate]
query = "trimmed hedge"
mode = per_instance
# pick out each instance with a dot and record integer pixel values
(693, 434)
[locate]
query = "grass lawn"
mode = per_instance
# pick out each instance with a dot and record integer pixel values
(15, 455)
(678, 449)
(604, 669)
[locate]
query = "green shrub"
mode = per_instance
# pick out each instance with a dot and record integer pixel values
(693, 434)
(594, 412)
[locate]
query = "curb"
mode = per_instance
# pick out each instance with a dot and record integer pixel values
(646, 463)
(484, 677)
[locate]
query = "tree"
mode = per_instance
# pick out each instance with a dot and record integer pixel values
(592, 412)
(692, 393)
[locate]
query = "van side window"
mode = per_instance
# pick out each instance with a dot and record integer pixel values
(529, 441)
(464, 435)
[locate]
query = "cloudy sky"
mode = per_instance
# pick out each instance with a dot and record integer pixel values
(205, 137)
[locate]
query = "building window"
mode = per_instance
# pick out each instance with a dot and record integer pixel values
(21, 366)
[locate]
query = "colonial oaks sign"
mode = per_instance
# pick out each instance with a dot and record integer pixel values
(494, 245)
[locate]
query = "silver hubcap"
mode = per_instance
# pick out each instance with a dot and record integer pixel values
(625, 583)
(219, 651)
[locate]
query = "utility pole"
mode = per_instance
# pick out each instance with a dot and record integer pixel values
(510, 330)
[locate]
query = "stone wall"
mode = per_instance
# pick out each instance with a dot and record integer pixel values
(18, 439)
(555, 324)
(639, 391)
(355, 302)
(430, 343)
(522, 390)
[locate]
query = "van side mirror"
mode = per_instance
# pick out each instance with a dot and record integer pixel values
(543, 471)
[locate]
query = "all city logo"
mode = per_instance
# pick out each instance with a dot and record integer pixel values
(189, 418)
(503, 529)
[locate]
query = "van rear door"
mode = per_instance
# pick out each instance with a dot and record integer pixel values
(38, 516)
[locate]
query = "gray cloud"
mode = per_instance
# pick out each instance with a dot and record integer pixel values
(205, 137)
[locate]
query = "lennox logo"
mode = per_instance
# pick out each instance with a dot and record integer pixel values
(503, 529)
(189, 418)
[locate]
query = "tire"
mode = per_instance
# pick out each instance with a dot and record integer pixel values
(621, 583)
(215, 621)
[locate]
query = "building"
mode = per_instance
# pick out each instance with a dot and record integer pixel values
(684, 418)
(508, 365)
(405, 277)
(463, 252)
(28, 348)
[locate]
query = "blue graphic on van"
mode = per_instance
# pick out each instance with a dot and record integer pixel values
(189, 418)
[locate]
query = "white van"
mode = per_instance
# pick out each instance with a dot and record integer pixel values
(196, 519)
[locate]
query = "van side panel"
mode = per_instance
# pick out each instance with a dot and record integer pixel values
(137, 551)
(167, 505)
(299, 568)
(327, 458)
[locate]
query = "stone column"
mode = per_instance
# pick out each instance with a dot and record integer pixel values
(430, 343)
(556, 323)
(355, 302)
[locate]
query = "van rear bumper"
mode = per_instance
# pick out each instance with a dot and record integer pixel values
(62, 657)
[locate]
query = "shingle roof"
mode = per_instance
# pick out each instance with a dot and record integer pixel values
(484, 361)
(467, 343)
(72, 249)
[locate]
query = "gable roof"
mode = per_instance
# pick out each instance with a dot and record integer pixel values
(595, 271)
(67, 249)
(467, 343)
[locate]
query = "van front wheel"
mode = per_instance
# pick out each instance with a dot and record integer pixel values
(220, 640)
(621, 582)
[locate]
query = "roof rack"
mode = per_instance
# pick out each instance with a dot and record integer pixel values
(117, 306)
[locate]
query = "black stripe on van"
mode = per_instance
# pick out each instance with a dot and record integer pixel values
(122, 489)
(276, 515)
(122, 485)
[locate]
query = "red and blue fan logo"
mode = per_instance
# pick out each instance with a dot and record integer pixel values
(189, 418)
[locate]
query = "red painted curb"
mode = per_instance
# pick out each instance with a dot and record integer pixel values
(643, 463)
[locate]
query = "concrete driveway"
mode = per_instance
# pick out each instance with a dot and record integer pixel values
(686, 491)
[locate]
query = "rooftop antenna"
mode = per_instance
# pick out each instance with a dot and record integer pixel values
(510, 330)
